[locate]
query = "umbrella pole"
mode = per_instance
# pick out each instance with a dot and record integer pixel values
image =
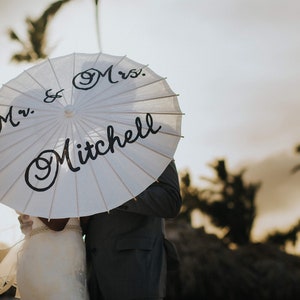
(97, 8)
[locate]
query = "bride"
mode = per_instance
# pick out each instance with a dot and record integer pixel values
(51, 262)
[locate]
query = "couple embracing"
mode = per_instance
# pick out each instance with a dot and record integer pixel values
(123, 256)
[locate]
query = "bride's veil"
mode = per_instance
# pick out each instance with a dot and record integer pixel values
(8, 268)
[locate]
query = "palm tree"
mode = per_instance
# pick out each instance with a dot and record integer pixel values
(281, 238)
(230, 203)
(190, 198)
(35, 46)
(297, 167)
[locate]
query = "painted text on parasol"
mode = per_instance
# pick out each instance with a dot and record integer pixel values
(49, 161)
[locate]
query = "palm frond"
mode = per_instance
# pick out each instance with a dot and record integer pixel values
(35, 46)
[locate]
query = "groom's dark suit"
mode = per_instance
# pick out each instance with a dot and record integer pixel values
(126, 256)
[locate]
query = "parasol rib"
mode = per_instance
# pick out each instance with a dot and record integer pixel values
(57, 81)
(134, 88)
(93, 172)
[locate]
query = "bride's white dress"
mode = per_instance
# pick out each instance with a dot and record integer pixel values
(51, 265)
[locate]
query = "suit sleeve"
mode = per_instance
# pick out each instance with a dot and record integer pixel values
(160, 199)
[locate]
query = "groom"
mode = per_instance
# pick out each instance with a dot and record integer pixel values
(126, 257)
(126, 248)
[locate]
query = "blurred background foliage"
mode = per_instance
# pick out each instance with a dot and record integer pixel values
(227, 265)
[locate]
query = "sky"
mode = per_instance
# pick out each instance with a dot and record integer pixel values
(235, 65)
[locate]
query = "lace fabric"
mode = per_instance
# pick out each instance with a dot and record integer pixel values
(47, 264)
(8, 268)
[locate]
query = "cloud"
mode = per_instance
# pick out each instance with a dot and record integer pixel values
(277, 201)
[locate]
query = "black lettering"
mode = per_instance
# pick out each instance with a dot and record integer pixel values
(89, 78)
(52, 97)
(8, 118)
(48, 162)
(44, 162)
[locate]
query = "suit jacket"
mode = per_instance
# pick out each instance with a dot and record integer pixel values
(125, 248)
